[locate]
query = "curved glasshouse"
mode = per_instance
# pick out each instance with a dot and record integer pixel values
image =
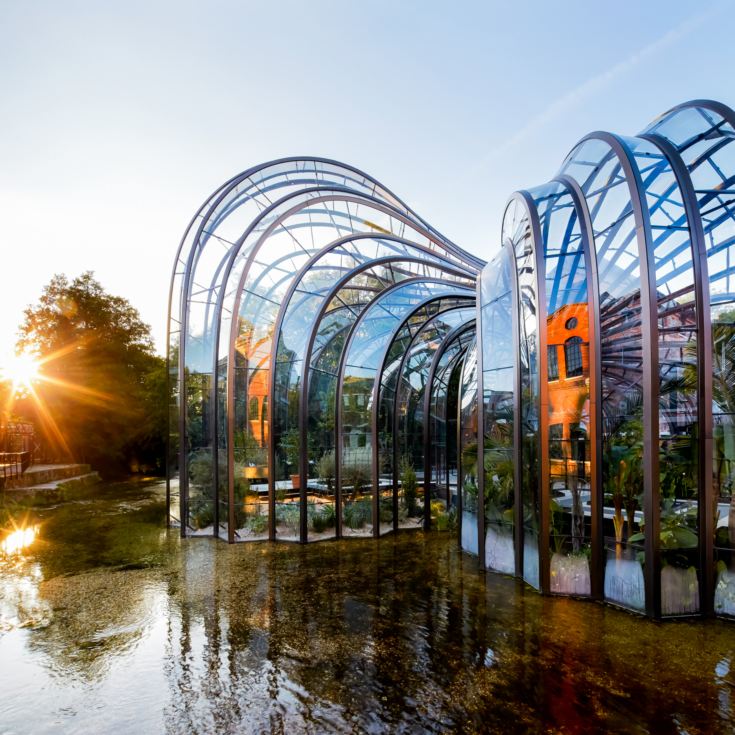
(307, 305)
(335, 361)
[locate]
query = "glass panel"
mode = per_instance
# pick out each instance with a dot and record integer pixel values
(678, 374)
(599, 173)
(468, 451)
(517, 232)
(568, 391)
(368, 351)
(499, 369)
(704, 140)
(443, 424)
(409, 418)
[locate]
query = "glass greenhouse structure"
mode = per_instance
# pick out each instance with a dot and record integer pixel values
(338, 368)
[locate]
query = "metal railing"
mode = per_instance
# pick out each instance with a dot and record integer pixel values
(17, 445)
(13, 465)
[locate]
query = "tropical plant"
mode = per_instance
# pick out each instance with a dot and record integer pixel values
(321, 516)
(386, 510)
(469, 477)
(499, 483)
(622, 465)
(676, 532)
(723, 398)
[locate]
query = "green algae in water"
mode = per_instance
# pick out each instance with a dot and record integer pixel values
(132, 629)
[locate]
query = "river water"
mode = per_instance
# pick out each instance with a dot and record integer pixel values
(111, 624)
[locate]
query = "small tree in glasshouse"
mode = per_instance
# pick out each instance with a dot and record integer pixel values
(326, 469)
(356, 476)
(409, 485)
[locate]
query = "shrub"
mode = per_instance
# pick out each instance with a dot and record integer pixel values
(257, 523)
(386, 512)
(358, 513)
(289, 515)
(202, 516)
(243, 497)
(321, 516)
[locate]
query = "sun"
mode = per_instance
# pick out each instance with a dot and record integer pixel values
(22, 370)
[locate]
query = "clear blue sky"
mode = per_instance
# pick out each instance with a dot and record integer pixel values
(118, 119)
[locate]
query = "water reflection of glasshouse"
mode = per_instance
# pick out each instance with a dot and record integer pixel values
(328, 350)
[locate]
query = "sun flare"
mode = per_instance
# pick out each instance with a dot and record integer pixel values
(22, 370)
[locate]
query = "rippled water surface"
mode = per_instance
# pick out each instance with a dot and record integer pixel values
(108, 623)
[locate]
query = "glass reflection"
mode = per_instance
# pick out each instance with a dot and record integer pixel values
(517, 232)
(442, 447)
(389, 320)
(468, 452)
(602, 180)
(568, 391)
(703, 135)
(499, 369)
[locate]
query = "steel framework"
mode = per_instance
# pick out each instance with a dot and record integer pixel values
(322, 336)
(608, 415)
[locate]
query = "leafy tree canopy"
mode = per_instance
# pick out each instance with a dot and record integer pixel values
(102, 396)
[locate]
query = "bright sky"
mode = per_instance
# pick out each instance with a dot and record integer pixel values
(118, 119)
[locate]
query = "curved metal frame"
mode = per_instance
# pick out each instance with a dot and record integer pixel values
(290, 188)
(340, 383)
(376, 402)
(595, 388)
(345, 194)
(306, 367)
(447, 342)
(447, 267)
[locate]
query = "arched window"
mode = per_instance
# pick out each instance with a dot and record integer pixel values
(573, 356)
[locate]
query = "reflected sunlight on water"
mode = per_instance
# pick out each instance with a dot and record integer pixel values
(18, 540)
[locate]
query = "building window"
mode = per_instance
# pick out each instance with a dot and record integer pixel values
(571, 323)
(573, 356)
(556, 436)
(552, 361)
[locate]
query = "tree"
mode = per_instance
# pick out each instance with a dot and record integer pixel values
(102, 396)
